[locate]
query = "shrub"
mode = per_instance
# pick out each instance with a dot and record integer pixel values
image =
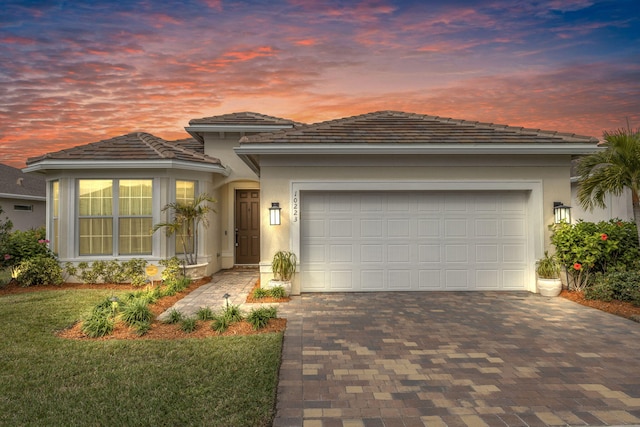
(39, 270)
(23, 245)
(188, 325)
(616, 285)
(113, 271)
(259, 317)
(174, 317)
(261, 293)
(587, 248)
(278, 292)
(5, 230)
(98, 325)
(136, 311)
(134, 271)
(205, 313)
(172, 270)
(226, 317)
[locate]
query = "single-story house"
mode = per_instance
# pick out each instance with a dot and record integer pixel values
(22, 198)
(382, 201)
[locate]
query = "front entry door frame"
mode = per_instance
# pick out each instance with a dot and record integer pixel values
(247, 226)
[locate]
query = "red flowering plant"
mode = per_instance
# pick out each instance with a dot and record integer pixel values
(586, 249)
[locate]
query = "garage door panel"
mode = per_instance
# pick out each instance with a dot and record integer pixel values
(414, 241)
(342, 280)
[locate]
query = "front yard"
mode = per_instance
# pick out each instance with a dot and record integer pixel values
(47, 380)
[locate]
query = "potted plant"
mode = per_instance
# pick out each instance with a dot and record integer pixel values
(185, 223)
(548, 272)
(283, 266)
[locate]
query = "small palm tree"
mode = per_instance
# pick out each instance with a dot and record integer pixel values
(185, 223)
(611, 171)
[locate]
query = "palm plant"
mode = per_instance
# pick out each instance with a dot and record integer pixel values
(185, 223)
(611, 171)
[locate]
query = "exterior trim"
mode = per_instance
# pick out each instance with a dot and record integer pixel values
(125, 164)
(22, 197)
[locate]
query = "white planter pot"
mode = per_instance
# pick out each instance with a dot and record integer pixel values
(196, 271)
(286, 284)
(549, 287)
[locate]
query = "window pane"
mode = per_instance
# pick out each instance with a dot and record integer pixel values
(96, 236)
(135, 236)
(185, 191)
(95, 197)
(135, 197)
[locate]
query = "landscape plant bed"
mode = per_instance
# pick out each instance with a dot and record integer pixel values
(619, 308)
(159, 330)
(252, 300)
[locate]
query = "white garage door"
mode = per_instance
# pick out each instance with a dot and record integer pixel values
(418, 241)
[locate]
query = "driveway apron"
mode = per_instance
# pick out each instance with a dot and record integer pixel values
(455, 359)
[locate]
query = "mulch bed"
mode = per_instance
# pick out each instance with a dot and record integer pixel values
(619, 308)
(159, 330)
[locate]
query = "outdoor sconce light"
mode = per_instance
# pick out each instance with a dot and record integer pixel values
(274, 213)
(561, 213)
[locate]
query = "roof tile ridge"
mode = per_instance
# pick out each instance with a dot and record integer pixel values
(152, 142)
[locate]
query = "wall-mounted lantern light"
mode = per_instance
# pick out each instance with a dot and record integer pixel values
(274, 213)
(561, 213)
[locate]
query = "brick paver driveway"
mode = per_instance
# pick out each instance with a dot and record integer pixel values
(456, 359)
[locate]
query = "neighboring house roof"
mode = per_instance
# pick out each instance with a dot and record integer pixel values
(133, 150)
(238, 123)
(15, 184)
(396, 132)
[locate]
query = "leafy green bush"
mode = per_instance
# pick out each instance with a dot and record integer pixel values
(259, 317)
(101, 322)
(587, 248)
(226, 317)
(616, 285)
(172, 270)
(5, 230)
(22, 245)
(38, 270)
(113, 271)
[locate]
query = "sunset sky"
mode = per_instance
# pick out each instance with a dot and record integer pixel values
(75, 72)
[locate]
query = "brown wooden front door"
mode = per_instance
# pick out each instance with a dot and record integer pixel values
(247, 226)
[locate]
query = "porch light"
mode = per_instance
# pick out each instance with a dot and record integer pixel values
(561, 213)
(274, 213)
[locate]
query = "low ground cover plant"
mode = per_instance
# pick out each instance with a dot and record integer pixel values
(277, 292)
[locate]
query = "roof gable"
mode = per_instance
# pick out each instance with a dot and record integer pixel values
(396, 127)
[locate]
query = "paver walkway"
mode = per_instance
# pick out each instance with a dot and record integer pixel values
(447, 359)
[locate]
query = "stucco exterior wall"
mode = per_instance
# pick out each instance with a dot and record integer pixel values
(24, 219)
(278, 173)
(617, 207)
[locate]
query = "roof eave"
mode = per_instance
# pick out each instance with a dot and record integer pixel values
(22, 197)
(412, 149)
(57, 164)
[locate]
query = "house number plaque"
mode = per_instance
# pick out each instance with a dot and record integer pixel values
(294, 206)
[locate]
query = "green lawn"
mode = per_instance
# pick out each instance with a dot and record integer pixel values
(45, 380)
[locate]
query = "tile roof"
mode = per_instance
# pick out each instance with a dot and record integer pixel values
(398, 127)
(15, 182)
(243, 118)
(134, 146)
